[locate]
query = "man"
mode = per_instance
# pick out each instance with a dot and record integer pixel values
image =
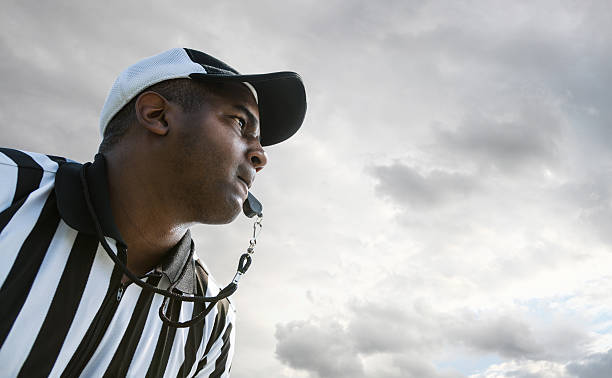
(99, 274)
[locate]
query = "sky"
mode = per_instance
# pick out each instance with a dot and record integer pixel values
(445, 210)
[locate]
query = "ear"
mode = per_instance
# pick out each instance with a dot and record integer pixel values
(151, 108)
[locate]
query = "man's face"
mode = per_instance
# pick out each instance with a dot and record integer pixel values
(215, 153)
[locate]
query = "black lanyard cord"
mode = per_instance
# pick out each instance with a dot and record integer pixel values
(243, 265)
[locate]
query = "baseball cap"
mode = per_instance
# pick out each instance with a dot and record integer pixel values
(280, 95)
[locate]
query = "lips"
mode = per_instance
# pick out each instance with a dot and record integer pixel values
(247, 177)
(247, 183)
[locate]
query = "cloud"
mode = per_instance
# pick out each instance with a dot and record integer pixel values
(378, 327)
(597, 365)
(524, 369)
(517, 337)
(321, 347)
(504, 335)
(326, 349)
(407, 334)
(591, 196)
(407, 186)
(527, 139)
(330, 348)
(415, 366)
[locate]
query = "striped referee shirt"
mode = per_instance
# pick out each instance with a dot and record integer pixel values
(63, 309)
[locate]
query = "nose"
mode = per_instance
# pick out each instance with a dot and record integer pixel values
(257, 156)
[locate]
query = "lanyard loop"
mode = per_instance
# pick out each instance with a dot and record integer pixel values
(243, 265)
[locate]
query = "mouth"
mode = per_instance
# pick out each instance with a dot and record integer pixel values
(247, 183)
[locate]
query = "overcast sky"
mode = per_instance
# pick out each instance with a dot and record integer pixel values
(446, 208)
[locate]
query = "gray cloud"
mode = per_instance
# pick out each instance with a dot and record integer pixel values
(406, 335)
(597, 365)
(506, 336)
(516, 338)
(326, 349)
(526, 141)
(379, 329)
(323, 348)
(415, 366)
(405, 185)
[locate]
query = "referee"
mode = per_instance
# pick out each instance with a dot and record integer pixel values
(99, 274)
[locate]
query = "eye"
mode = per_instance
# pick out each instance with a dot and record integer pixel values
(241, 122)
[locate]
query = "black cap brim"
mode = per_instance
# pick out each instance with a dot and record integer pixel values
(282, 102)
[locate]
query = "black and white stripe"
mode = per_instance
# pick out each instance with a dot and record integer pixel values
(58, 288)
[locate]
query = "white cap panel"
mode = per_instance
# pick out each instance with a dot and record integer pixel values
(171, 64)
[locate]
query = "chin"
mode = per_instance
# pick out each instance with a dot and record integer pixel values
(229, 218)
(222, 214)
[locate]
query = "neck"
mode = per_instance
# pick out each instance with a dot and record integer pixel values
(148, 228)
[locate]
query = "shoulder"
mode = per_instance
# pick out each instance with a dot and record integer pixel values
(23, 172)
(12, 159)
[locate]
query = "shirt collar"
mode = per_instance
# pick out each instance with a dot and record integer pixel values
(73, 210)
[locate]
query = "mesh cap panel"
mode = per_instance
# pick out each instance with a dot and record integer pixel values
(171, 64)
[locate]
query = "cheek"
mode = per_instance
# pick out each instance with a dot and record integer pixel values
(215, 152)
(228, 151)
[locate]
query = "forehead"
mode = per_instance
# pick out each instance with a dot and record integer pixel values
(235, 94)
